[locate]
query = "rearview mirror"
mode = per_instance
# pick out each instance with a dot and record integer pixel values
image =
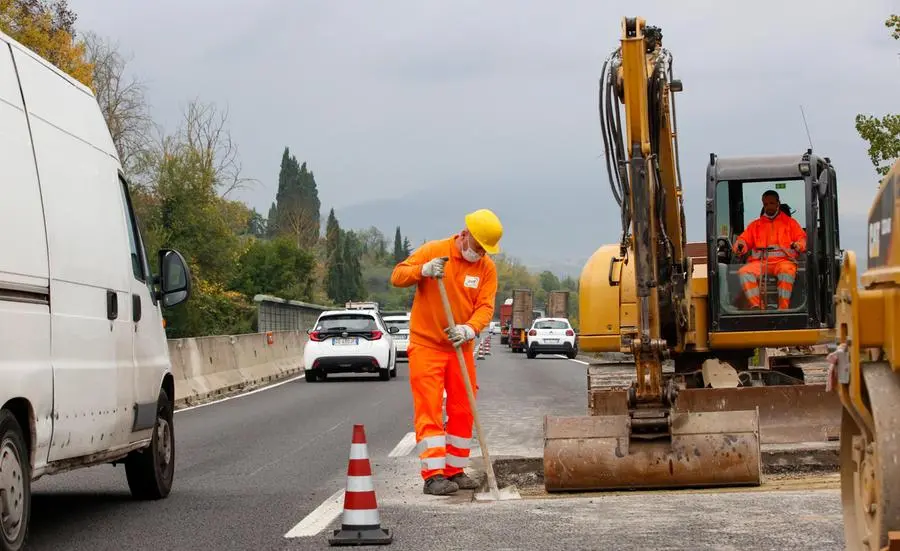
(174, 279)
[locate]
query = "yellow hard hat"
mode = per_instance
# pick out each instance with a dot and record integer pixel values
(486, 228)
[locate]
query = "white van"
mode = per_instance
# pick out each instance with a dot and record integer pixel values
(84, 367)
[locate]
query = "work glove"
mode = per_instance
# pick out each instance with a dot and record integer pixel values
(458, 334)
(740, 247)
(434, 267)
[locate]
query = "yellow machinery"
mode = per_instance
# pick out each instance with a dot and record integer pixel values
(664, 301)
(866, 375)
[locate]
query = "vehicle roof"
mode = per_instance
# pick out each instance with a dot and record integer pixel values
(758, 167)
(551, 319)
(59, 72)
(369, 313)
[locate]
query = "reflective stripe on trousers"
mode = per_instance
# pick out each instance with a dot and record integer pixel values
(430, 373)
(784, 270)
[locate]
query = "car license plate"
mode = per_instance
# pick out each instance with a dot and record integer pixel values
(400, 337)
(338, 341)
(551, 341)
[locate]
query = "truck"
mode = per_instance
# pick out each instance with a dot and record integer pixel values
(352, 305)
(522, 316)
(558, 304)
(505, 317)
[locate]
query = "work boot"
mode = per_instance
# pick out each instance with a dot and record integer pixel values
(464, 481)
(437, 485)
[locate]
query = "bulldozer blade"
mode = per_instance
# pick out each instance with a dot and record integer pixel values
(705, 450)
(789, 414)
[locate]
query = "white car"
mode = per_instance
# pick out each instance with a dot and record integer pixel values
(85, 377)
(401, 337)
(494, 327)
(551, 336)
(350, 341)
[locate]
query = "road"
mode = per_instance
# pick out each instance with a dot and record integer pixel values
(254, 469)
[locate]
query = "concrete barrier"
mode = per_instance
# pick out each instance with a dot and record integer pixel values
(206, 368)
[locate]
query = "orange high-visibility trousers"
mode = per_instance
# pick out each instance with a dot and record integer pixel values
(784, 270)
(430, 372)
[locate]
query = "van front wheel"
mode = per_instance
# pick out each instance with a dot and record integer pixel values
(150, 471)
(15, 483)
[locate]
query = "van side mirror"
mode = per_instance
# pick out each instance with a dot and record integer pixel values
(174, 278)
(393, 329)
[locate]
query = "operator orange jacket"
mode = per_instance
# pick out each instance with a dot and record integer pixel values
(781, 231)
(471, 289)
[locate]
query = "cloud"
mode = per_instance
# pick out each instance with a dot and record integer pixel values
(394, 98)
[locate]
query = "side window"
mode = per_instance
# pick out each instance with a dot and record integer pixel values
(140, 265)
(137, 264)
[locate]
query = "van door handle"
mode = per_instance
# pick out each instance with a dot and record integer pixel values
(136, 308)
(112, 305)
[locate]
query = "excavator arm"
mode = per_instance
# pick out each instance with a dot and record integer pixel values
(648, 189)
(645, 441)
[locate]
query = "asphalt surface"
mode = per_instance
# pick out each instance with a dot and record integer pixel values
(255, 469)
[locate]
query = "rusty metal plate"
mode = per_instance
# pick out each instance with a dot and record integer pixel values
(594, 453)
(787, 414)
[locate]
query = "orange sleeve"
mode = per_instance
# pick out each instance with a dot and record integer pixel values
(484, 305)
(409, 272)
(797, 234)
(749, 235)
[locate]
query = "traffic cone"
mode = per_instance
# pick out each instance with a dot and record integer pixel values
(487, 346)
(481, 350)
(362, 523)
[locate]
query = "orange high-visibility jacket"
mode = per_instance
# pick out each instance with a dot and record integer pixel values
(471, 288)
(780, 231)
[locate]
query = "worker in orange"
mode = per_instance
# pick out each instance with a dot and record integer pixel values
(774, 241)
(470, 278)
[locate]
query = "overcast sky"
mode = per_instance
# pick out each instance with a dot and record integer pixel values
(387, 98)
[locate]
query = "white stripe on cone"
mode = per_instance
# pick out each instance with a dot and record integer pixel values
(360, 484)
(358, 451)
(361, 517)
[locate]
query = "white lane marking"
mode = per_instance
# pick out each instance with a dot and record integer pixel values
(320, 518)
(262, 389)
(572, 359)
(404, 446)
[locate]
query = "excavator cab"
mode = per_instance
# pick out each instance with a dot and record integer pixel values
(806, 186)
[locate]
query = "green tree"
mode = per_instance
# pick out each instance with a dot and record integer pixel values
(882, 134)
(297, 202)
(334, 283)
(398, 247)
(406, 248)
(181, 208)
(549, 281)
(353, 287)
(275, 267)
(48, 28)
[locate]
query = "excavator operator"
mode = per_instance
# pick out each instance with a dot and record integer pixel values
(774, 241)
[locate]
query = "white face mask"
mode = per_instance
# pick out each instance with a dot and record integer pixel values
(470, 255)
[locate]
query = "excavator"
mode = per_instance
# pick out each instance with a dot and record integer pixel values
(865, 373)
(698, 414)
